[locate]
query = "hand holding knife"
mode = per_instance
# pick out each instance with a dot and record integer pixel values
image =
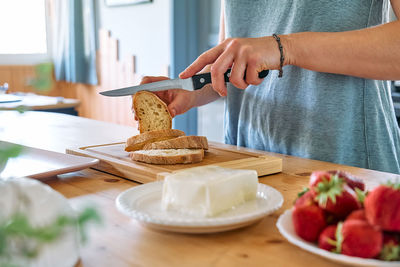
(196, 82)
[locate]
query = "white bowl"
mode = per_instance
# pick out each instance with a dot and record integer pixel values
(285, 226)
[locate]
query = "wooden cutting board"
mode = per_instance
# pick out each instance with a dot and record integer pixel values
(115, 160)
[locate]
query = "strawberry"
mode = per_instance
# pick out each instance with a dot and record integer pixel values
(333, 194)
(391, 248)
(382, 207)
(318, 176)
(352, 181)
(359, 239)
(302, 193)
(327, 239)
(357, 215)
(308, 218)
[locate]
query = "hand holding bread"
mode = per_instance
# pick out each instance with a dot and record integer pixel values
(178, 101)
(151, 112)
(157, 142)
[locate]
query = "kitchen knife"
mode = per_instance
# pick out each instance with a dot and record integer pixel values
(194, 83)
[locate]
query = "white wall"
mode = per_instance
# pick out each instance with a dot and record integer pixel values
(142, 30)
(210, 121)
(210, 118)
(145, 31)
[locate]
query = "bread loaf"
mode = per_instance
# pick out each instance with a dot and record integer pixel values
(157, 143)
(151, 112)
(179, 142)
(137, 142)
(168, 156)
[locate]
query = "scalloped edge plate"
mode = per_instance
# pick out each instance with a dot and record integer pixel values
(143, 203)
(285, 227)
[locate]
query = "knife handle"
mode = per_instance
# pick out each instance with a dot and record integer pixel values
(199, 80)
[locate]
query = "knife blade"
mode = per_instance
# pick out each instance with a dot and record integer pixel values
(194, 83)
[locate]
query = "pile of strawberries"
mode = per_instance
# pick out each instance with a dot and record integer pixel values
(336, 212)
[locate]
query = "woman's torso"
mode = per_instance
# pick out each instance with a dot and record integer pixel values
(323, 116)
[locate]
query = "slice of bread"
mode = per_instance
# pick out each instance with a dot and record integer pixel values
(179, 142)
(151, 112)
(137, 142)
(168, 156)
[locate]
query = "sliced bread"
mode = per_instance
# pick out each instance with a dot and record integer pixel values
(137, 142)
(179, 142)
(168, 156)
(151, 112)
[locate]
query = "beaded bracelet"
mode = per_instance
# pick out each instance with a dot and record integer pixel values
(278, 40)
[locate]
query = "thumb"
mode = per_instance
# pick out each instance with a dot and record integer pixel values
(176, 107)
(181, 101)
(172, 110)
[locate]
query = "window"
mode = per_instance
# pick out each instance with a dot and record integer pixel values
(23, 32)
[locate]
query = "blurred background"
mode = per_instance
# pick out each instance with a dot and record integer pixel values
(58, 55)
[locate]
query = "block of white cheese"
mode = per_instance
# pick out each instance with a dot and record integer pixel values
(209, 190)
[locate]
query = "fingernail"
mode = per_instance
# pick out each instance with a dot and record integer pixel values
(182, 73)
(173, 112)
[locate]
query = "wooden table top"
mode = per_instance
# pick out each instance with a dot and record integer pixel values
(124, 242)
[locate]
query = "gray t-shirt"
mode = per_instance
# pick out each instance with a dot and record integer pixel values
(309, 114)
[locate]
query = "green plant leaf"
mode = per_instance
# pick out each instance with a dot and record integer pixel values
(89, 214)
(3, 243)
(18, 228)
(22, 109)
(43, 81)
(9, 151)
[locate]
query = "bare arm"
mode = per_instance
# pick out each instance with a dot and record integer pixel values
(396, 7)
(372, 53)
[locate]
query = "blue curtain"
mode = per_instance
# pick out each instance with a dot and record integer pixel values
(185, 40)
(74, 41)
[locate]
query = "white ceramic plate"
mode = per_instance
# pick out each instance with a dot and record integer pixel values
(39, 163)
(143, 203)
(286, 228)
